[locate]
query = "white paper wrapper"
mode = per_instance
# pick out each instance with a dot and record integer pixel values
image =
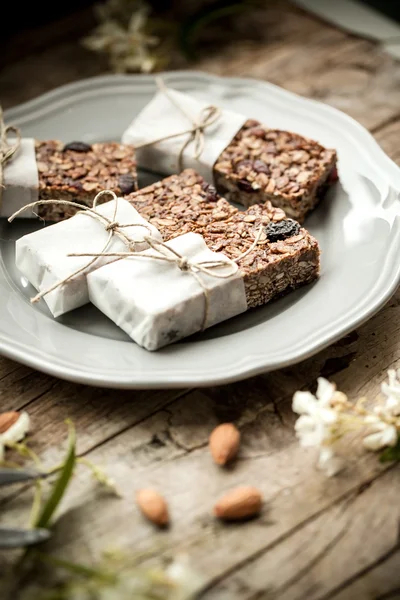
(161, 118)
(43, 258)
(156, 303)
(20, 179)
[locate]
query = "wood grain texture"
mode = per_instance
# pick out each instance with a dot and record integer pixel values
(316, 538)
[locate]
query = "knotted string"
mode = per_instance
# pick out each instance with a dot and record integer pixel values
(206, 117)
(208, 267)
(7, 150)
(111, 226)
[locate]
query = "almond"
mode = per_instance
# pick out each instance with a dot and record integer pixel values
(239, 503)
(224, 443)
(153, 506)
(7, 419)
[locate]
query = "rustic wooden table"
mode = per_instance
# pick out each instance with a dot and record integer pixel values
(317, 538)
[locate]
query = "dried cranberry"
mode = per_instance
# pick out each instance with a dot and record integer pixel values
(77, 147)
(126, 183)
(245, 186)
(282, 230)
(259, 166)
(212, 195)
(211, 192)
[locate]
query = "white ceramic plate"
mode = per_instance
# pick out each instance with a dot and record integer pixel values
(357, 226)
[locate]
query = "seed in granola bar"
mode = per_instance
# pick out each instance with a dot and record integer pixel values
(251, 123)
(245, 186)
(281, 182)
(77, 185)
(244, 164)
(259, 166)
(126, 183)
(257, 132)
(282, 230)
(77, 147)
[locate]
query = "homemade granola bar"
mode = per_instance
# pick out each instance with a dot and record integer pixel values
(286, 257)
(248, 162)
(78, 171)
(261, 164)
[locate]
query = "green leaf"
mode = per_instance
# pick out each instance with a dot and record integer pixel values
(61, 483)
(391, 454)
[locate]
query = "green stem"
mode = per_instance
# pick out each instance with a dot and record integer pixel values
(76, 568)
(37, 503)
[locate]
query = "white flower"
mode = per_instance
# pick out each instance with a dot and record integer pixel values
(130, 47)
(15, 433)
(315, 425)
(383, 434)
(318, 423)
(392, 392)
(329, 462)
(187, 581)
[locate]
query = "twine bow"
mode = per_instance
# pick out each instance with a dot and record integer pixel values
(111, 226)
(7, 150)
(206, 117)
(208, 267)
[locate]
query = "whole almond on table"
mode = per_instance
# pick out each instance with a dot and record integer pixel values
(7, 419)
(240, 503)
(224, 443)
(153, 506)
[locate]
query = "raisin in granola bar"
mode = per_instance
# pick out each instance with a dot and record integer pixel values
(261, 164)
(78, 171)
(286, 256)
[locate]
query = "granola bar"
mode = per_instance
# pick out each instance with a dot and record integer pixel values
(78, 171)
(261, 164)
(248, 162)
(286, 257)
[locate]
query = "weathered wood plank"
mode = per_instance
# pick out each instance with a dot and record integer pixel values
(98, 415)
(20, 385)
(147, 455)
(378, 581)
(342, 70)
(338, 546)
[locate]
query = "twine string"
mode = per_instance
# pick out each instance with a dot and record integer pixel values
(208, 267)
(206, 117)
(111, 226)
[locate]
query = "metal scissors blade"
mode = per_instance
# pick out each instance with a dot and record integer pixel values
(17, 538)
(9, 476)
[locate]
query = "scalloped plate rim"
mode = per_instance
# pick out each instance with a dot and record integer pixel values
(252, 364)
